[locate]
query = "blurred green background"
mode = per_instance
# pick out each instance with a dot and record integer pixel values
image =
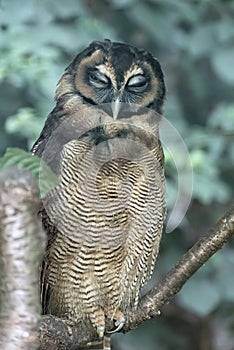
(194, 41)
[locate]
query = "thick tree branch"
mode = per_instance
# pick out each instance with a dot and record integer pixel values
(153, 301)
(21, 248)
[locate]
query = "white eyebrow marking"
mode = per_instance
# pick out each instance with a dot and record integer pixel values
(109, 72)
(133, 71)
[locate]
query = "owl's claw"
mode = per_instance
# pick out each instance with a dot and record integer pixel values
(101, 331)
(119, 324)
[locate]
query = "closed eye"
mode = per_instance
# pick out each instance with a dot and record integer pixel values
(98, 79)
(137, 82)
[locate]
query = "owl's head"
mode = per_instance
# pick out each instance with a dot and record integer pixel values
(111, 72)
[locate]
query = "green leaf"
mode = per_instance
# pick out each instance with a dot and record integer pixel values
(26, 122)
(16, 157)
(222, 62)
(122, 3)
(224, 30)
(202, 40)
(223, 117)
(207, 186)
(200, 296)
(223, 263)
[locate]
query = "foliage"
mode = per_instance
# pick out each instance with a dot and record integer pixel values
(15, 157)
(194, 41)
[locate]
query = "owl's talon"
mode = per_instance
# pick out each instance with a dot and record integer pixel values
(100, 331)
(119, 324)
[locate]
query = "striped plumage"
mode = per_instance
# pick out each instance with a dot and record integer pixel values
(105, 217)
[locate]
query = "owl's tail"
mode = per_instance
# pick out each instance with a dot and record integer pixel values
(104, 344)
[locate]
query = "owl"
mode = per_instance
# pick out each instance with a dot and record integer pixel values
(105, 217)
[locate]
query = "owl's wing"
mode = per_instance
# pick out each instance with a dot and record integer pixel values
(52, 122)
(44, 287)
(69, 163)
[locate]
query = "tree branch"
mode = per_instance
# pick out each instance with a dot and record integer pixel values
(21, 249)
(153, 301)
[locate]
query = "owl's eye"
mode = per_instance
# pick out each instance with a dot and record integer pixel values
(98, 79)
(137, 82)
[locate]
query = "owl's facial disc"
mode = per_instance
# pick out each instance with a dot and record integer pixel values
(119, 74)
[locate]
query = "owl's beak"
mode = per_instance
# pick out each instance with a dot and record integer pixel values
(115, 106)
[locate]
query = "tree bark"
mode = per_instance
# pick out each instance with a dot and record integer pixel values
(21, 249)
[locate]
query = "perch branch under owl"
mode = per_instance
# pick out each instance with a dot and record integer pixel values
(54, 333)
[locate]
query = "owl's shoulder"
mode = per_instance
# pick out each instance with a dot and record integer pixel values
(53, 120)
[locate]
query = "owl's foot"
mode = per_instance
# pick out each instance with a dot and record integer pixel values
(98, 320)
(119, 323)
(101, 331)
